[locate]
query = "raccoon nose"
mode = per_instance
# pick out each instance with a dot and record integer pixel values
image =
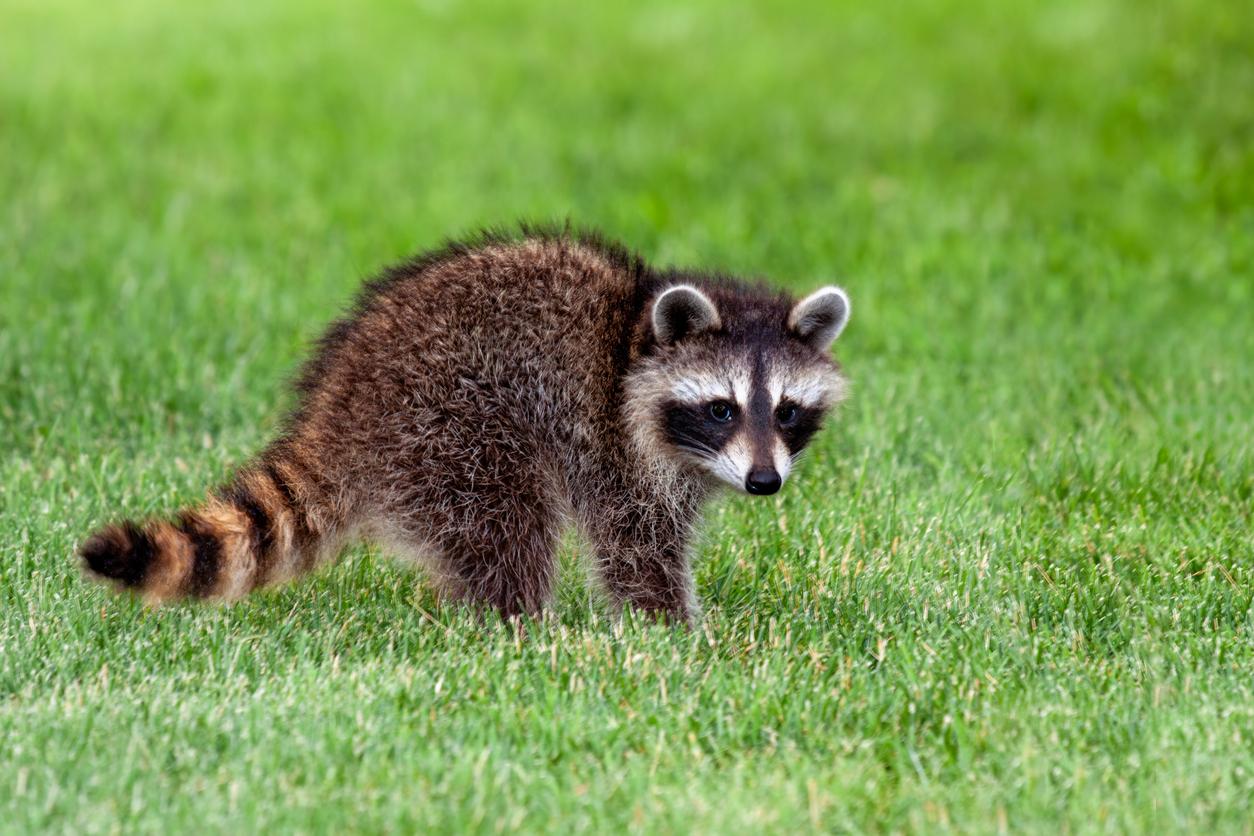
(763, 482)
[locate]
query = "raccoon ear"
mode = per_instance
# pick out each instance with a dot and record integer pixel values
(681, 311)
(819, 318)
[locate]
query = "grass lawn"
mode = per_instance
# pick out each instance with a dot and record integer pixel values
(1011, 589)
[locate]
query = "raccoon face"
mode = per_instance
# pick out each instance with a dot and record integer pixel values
(736, 385)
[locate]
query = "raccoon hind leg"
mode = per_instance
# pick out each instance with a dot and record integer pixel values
(494, 546)
(507, 561)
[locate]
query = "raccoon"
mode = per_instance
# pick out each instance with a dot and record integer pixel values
(479, 399)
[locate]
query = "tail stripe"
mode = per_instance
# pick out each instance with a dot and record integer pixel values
(302, 534)
(124, 553)
(143, 550)
(206, 556)
(300, 530)
(253, 495)
(264, 528)
(258, 519)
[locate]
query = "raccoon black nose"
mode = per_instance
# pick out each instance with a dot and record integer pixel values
(763, 482)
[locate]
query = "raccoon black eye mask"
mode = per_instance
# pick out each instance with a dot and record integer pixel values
(479, 399)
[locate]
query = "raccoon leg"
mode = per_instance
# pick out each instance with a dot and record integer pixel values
(488, 536)
(642, 559)
(506, 561)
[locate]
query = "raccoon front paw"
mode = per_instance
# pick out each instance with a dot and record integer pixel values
(687, 617)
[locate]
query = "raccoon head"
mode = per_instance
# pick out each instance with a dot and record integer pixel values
(735, 383)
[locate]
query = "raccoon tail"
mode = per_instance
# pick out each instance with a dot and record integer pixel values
(267, 526)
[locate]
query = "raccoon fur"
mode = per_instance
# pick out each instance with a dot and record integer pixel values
(480, 399)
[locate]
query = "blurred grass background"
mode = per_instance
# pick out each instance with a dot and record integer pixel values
(1011, 589)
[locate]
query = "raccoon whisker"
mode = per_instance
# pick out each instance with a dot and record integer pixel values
(692, 444)
(691, 440)
(703, 452)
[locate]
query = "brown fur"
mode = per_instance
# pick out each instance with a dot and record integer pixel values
(471, 406)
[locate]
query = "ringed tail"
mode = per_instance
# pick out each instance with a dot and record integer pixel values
(265, 527)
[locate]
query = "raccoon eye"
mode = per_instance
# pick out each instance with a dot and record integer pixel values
(722, 411)
(786, 415)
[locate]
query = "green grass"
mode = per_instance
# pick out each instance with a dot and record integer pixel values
(1011, 589)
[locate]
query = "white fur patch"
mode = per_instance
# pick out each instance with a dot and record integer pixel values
(783, 459)
(810, 388)
(817, 388)
(733, 462)
(775, 386)
(700, 389)
(740, 382)
(731, 385)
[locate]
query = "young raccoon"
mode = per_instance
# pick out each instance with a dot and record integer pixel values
(480, 398)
